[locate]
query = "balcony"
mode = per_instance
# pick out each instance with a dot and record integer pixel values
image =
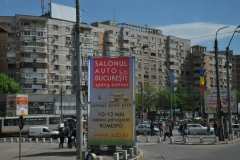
(26, 59)
(33, 49)
(109, 39)
(109, 48)
(41, 60)
(126, 45)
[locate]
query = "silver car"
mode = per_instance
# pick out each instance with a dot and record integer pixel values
(141, 128)
(198, 129)
(236, 127)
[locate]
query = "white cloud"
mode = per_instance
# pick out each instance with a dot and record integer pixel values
(198, 32)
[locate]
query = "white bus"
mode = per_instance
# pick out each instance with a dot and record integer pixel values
(9, 125)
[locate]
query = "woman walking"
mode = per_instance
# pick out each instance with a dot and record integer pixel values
(186, 131)
(69, 138)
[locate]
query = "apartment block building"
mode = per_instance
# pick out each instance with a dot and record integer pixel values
(154, 52)
(39, 52)
(201, 58)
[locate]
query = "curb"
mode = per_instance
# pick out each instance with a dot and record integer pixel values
(208, 143)
(139, 156)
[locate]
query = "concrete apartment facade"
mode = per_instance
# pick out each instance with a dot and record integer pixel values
(153, 51)
(39, 53)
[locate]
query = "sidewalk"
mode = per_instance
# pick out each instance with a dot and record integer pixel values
(193, 140)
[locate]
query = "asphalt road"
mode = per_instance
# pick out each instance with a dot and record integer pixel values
(163, 151)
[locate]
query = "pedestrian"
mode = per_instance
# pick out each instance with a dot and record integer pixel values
(74, 137)
(152, 128)
(186, 131)
(160, 129)
(61, 136)
(208, 129)
(69, 138)
(166, 132)
(170, 130)
(215, 126)
(181, 130)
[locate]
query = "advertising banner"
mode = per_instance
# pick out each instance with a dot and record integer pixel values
(111, 96)
(211, 101)
(21, 104)
(11, 105)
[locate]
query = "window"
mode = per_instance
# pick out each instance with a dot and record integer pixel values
(11, 45)
(68, 87)
(95, 43)
(56, 67)
(68, 58)
(25, 55)
(68, 77)
(68, 67)
(11, 24)
(55, 57)
(152, 39)
(54, 120)
(55, 86)
(55, 46)
(67, 29)
(145, 38)
(139, 44)
(11, 76)
(55, 27)
(25, 24)
(68, 39)
(95, 34)
(11, 34)
(55, 37)
(152, 46)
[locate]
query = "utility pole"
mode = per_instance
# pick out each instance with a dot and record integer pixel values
(142, 102)
(219, 105)
(79, 131)
(61, 101)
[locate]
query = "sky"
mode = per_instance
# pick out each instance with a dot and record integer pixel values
(196, 20)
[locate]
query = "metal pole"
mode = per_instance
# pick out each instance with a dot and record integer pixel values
(20, 145)
(79, 131)
(61, 102)
(201, 105)
(142, 102)
(228, 84)
(221, 129)
(228, 92)
(171, 101)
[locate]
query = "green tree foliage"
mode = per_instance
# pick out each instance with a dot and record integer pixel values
(194, 100)
(182, 97)
(8, 85)
(238, 96)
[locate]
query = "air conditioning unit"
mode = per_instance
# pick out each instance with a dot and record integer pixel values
(17, 35)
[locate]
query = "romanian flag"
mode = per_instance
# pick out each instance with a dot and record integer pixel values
(202, 80)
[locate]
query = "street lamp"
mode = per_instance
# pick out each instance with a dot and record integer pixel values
(170, 81)
(221, 130)
(228, 83)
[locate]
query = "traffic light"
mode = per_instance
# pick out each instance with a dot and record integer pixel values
(21, 122)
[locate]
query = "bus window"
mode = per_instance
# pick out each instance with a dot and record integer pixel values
(54, 120)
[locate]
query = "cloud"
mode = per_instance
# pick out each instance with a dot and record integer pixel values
(198, 32)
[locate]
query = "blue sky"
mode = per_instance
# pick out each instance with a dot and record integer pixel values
(197, 20)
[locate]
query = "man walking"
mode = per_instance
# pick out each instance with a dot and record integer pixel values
(166, 132)
(152, 128)
(215, 126)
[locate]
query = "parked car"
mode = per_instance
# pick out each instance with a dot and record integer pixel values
(236, 128)
(141, 128)
(198, 129)
(41, 132)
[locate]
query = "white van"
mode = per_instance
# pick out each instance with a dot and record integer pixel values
(42, 132)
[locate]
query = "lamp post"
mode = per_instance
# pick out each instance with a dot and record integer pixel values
(221, 130)
(228, 84)
(170, 81)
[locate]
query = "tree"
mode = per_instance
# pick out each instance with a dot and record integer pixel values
(182, 98)
(194, 100)
(8, 85)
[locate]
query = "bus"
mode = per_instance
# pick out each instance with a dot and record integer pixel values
(9, 125)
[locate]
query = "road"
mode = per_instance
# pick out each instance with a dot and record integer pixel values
(163, 151)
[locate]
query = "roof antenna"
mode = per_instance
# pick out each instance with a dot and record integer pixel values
(42, 6)
(49, 5)
(114, 11)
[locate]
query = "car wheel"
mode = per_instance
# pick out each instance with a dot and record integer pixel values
(33, 138)
(137, 133)
(52, 136)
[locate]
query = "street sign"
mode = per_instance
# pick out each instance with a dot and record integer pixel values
(21, 122)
